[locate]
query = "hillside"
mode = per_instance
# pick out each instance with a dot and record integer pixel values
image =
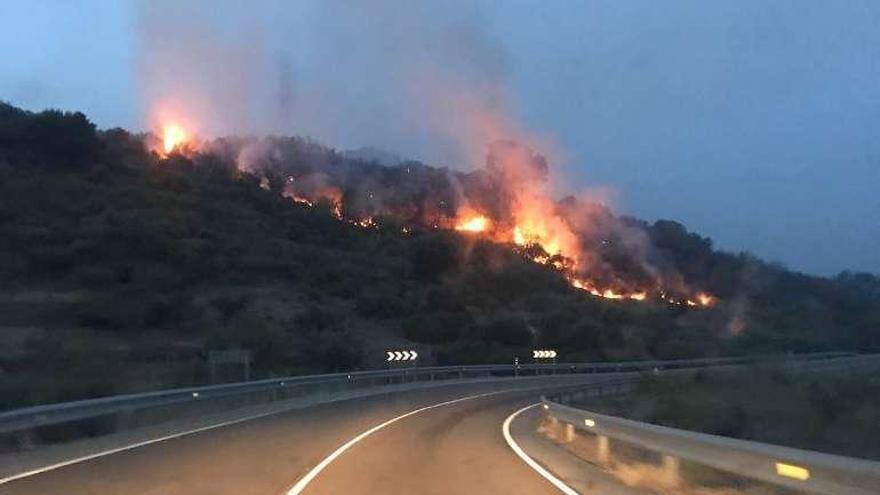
(122, 268)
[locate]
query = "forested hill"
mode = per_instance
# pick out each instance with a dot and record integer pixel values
(122, 268)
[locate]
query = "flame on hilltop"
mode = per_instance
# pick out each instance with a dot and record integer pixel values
(174, 128)
(513, 187)
(537, 224)
(173, 135)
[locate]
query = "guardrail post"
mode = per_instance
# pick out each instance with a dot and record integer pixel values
(602, 450)
(569, 433)
(671, 470)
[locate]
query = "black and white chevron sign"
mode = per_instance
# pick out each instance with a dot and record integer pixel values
(544, 354)
(401, 355)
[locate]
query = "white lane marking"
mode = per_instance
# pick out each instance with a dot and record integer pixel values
(103, 453)
(305, 480)
(505, 429)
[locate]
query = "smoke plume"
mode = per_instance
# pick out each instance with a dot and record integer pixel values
(421, 79)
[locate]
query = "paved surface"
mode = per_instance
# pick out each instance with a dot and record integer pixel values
(581, 476)
(456, 448)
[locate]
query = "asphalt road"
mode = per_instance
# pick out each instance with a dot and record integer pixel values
(455, 448)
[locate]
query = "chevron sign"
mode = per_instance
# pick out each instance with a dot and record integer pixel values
(544, 354)
(401, 355)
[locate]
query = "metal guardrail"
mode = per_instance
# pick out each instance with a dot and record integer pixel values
(268, 390)
(802, 470)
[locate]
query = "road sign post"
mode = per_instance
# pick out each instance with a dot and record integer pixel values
(544, 354)
(224, 358)
(402, 356)
(541, 354)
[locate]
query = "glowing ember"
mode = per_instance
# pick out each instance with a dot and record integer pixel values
(330, 195)
(300, 200)
(475, 224)
(705, 299)
(607, 293)
(365, 222)
(173, 136)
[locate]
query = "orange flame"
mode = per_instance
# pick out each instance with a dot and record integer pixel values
(365, 223)
(705, 299)
(588, 286)
(474, 224)
(173, 135)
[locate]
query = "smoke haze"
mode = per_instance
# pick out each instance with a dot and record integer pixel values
(420, 79)
(751, 122)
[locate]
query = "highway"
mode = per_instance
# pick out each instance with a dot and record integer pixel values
(440, 440)
(459, 436)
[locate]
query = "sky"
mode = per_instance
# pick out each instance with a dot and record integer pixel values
(753, 122)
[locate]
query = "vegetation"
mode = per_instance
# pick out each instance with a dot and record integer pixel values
(121, 269)
(834, 413)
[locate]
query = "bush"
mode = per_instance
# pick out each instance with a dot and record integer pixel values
(439, 327)
(506, 330)
(435, 255)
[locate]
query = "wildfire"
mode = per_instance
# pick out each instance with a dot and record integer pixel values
(607, 293)
(701, 300)
(518, 237)
(474, 224)
(173, 135)
(638, 296)
(547, 233)
(548, 238)
(533, 226)
(331, 195)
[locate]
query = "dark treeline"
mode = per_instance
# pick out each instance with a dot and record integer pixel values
(121, 269)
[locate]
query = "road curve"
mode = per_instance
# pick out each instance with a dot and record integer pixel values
(452, 448)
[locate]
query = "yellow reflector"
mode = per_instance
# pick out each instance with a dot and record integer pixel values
(590, 423)
(792, 471)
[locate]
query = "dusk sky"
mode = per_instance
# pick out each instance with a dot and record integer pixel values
(753, 122)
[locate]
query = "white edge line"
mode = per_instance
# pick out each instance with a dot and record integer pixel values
(116, 450)
(505, 429)
(77, 460)
(311, 475)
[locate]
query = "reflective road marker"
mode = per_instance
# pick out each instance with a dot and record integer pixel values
(505, 429)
